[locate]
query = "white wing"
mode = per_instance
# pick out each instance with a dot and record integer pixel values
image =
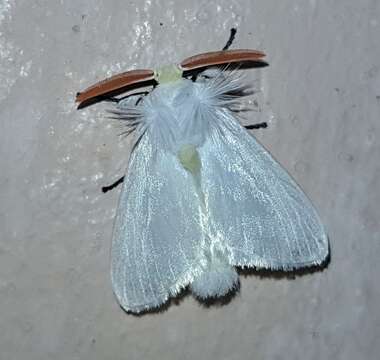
(157, 230)
(247, 207)
(258, 211)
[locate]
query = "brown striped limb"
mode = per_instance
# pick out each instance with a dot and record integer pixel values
(113, 85)
(222, 57)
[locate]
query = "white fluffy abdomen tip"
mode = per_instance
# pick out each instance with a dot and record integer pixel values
(215, 282)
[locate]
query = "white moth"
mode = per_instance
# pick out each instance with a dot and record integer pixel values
(201, 197)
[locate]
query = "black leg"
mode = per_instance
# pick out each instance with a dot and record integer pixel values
(117, 100)
(230, 40)
(228, 44)
(112, 186)
(145, 93)
(262, 125)
(112, 99)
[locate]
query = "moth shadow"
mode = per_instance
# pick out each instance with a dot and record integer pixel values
(227, 298)
(264, 273)
(285, 274)
(221, 300)
(175, 301)
(246, 65)
(206, 303)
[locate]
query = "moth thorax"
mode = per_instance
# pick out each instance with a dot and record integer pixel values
(167, 74)
(189, 158)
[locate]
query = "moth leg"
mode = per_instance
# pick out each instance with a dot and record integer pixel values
(113, 185)
(226, 47)
(230, 39)
(117, 100)
(262, 125)
(140, 95)
(112, 99)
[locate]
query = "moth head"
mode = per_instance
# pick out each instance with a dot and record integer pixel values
(168, 74)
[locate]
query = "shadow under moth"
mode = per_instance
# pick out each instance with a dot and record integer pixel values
(201, 196)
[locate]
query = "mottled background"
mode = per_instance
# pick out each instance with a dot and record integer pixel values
(321, 97)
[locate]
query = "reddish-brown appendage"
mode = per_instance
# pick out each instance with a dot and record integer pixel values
(121, 81)
(222, 57)
(114, 83)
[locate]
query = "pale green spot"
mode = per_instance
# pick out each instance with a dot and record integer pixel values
(167, 74)
(189, 158)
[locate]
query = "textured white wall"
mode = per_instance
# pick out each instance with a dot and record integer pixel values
(322, 99)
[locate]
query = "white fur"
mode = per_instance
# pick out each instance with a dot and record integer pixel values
(217, 280)
(201, 196)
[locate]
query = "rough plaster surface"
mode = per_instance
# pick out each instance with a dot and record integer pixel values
(322, 93)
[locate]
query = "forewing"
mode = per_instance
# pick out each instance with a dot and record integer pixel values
(263, 216)
(156, 233)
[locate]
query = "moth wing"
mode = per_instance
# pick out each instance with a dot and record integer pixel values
(262, 214)
(157, 230)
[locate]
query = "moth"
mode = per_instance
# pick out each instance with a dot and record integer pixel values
(200, 196)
